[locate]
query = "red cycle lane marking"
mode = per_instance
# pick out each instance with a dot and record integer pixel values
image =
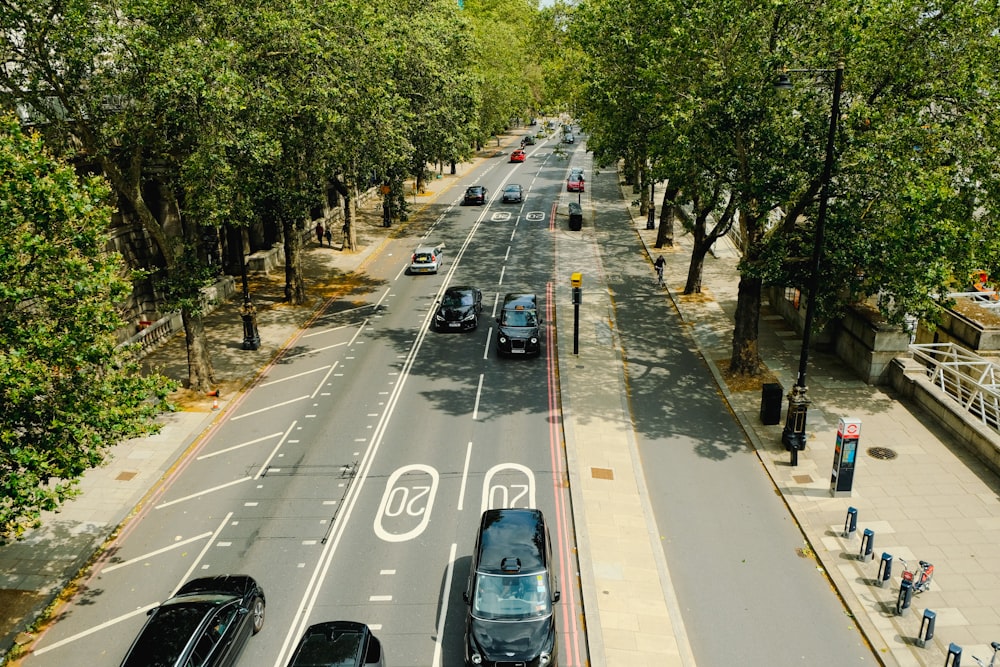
(563, 523)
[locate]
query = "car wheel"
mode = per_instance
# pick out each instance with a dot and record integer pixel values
(257, 609)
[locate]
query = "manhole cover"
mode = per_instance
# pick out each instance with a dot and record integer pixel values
(883, 453)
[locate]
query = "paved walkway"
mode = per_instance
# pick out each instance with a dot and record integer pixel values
(933, 501)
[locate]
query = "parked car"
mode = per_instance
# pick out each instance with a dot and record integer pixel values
(517, 155)
(511, 591)
(426, 259)
(512, 193)
(459, 309)
(519, 323)
(338, 644)
(207, 623)
(475, 194)
(575, 183)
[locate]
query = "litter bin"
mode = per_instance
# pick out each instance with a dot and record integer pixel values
(771, 395)
(575, 216)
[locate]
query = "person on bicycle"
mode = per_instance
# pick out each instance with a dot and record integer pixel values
(658, 265)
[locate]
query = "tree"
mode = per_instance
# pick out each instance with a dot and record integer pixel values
(67, 394)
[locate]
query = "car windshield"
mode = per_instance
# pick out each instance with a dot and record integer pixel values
(513, 188)
(457, 299)
(511, 597)
(424, 257)
(519, 318)
(339, 650)
(576, 178)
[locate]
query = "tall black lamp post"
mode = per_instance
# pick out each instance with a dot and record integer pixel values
(251, 337)
(794, 433)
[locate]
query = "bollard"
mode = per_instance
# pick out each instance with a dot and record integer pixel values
(884, 570)
(905, 596)
(867, 545)
(926, 628)
(954, 657)
(851, 522)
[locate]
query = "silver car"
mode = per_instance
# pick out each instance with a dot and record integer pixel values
(426, 259)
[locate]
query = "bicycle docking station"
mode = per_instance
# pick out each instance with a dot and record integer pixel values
(926, 628)
(884, 570)
(905, 596)
(867, 551)
(954, 657)
(851, 523)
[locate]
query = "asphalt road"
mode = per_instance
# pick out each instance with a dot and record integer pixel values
(748, 589)
(350, 480)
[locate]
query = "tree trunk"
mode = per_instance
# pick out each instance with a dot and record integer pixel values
(201, 375)
(295, 291)
(350, 240)
(746, 350)
(665, 230)
(695, 268)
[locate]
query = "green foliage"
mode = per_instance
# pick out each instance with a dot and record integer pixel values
(913, 200)
(66, 393)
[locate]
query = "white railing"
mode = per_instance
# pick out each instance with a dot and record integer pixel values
(965, 377)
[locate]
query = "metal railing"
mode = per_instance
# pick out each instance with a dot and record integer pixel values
(965, 377)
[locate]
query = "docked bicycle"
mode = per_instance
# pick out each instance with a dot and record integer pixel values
(916, 581)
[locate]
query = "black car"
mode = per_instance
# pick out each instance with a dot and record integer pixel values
(338, 644)
(459, 309)
(475, 194)
(529, 140)
(519, 331)
(207, 623)
(511, 592)
(513, 193)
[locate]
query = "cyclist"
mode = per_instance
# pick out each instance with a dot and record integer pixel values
(658, 265)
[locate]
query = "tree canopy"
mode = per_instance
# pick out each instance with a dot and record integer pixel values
(67, 393)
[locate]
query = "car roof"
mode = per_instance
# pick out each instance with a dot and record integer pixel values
(512, 533)
(475, 187)
(426, 248)
(513, 186)
(461, 289)
(170, 628)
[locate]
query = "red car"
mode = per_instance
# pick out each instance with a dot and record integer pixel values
(575, 183)
(517, 156)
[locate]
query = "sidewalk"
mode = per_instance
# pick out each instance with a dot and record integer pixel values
(932, 501)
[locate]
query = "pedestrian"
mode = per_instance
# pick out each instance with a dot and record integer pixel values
(329, 237)
(319, 232)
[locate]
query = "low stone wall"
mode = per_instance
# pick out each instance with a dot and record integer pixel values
(868, 345)
(909, 378)
(967, 325)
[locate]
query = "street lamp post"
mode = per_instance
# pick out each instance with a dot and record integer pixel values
(794, 433)
(251, 337)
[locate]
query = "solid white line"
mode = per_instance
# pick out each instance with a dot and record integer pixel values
(194, 563)
(270, 407)
(212, 489)
(465, 476)
(242, 444)
(275, 450)
(479, 394)
(155, 553)
(96, 628)
(325, 378)
(313, 351)
(291, 377)
(444, 606)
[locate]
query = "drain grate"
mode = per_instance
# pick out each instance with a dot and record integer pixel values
(883, 453)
